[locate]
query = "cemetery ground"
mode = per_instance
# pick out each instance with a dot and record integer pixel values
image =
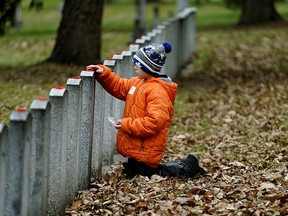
(231, 111)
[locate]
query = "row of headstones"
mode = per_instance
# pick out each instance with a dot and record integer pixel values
(49, 153)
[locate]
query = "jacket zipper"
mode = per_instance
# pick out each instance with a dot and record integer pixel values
(142, 139)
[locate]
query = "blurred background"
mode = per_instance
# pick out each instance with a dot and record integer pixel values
(43, 43)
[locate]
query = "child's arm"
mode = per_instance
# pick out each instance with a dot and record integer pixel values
(116, 86)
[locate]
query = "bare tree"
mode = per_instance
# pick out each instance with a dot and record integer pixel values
(79, 34)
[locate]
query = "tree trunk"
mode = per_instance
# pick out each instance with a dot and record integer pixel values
(258, 11)
(139, 22)
(79, 34)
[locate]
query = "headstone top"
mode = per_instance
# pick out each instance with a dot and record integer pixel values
(109, 62)
(126, 53)
(140, 40)
(117, 56)
(134, 47)
(39, 103)
(146, 37)
(19, 116)
(73, 81)
(58, 91)
(156, 31)
(152, 34)
(161, 27)
(87, 74)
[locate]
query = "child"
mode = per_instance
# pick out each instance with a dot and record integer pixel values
(148, 113)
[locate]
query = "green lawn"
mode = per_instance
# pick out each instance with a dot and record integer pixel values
(20, 49)
(35, 40)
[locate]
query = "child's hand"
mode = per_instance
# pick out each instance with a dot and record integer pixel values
(95, 68)
(115, 123)
(118, 124)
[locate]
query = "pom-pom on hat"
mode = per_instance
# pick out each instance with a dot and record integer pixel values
(151, 58)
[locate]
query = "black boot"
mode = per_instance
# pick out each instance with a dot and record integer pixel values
(192, 163)
(184, 168)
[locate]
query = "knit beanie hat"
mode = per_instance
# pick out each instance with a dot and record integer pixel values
(151, 58)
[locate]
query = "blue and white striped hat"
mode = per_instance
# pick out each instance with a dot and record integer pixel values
(151, 58)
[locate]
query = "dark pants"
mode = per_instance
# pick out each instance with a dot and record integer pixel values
(187, 167)
(134, 167)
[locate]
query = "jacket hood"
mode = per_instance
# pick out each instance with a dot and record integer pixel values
(168, 85)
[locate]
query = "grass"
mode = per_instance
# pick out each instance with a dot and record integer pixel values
(24, 77)
(216, 16)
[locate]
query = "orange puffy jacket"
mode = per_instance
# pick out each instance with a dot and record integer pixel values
(147, 114)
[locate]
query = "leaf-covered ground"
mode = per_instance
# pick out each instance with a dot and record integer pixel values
(231, 112)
